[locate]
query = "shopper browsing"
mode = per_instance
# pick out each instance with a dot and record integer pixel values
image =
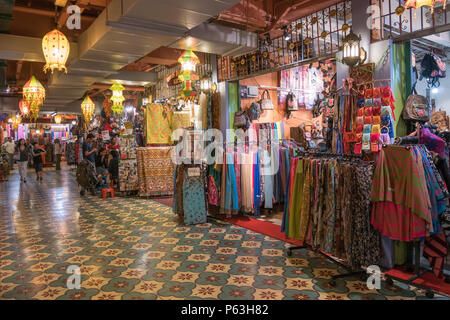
(88, 150)
(114, 145)
(100, 162)
(37, 153)
(113, 167)
(9, 148)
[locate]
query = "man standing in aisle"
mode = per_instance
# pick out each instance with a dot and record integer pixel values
(88, 154)
(10, 148)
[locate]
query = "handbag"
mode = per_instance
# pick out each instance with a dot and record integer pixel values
(266, 103)
(416, 108)
(241, 120)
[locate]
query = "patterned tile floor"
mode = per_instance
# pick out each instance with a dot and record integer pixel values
(135, 249)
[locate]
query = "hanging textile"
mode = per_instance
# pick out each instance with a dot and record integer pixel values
(155, 171)
(194, 200)
(329, 207)
(158, 124)
(402, 208)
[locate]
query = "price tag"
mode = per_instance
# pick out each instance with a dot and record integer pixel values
(193, 172)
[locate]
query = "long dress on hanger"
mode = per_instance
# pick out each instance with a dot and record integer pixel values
(402, 208)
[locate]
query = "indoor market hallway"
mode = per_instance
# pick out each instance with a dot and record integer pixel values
(130, 248)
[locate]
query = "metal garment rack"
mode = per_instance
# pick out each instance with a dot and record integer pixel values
(363, 273)
(350, 271)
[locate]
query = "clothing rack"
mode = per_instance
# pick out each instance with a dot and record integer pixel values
(418, 271)
(350, 271)
(363, 273)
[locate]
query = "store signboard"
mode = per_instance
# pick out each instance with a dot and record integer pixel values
(194, 172)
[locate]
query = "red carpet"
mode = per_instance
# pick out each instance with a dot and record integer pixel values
(165, 201)
(428, 280)
(266, 228)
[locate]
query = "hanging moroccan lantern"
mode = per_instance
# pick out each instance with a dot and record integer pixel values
(56, 49)
(188, 61)
(188, 78)
(187, 75)
(24, 107)
(353, 52)
(16, 120)
(34, 95)
(88, 109)
(117, 98)
(417, 4)
(58, 119)
(107, 105)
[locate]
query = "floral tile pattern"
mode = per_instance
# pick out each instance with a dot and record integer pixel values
(136, 249)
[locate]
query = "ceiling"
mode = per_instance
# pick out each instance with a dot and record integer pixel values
(125, 40)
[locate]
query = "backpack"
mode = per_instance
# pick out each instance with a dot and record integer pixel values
(86, 176)
(416, 108)
(291, 102)
(254, 112)
(241, 120)
(433, 69)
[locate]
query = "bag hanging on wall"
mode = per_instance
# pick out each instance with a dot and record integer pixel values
(254, 112)
(432, 69)
(266, 103)
(416, 108)
(241, 120)
(291, 102)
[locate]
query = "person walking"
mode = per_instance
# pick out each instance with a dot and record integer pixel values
(10, 148)
(23, 151)
(58, 153)
(37, 160)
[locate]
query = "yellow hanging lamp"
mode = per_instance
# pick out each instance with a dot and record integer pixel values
(117, 98)
(58, 119)
(88, 109)
(16, 120)
(56, 50)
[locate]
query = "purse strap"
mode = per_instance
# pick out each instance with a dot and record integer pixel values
(264, 93)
